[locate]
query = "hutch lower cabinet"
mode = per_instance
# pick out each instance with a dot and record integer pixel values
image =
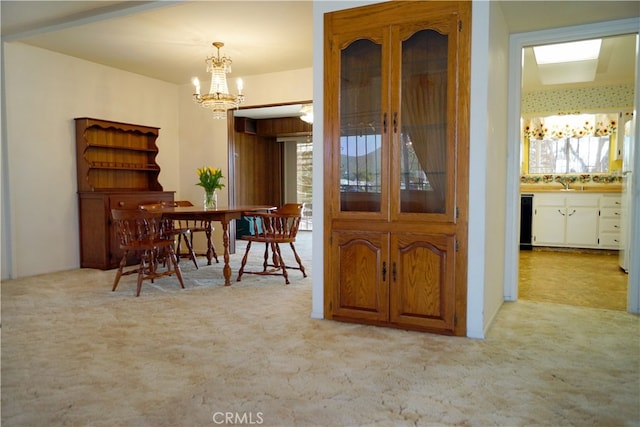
(99, 247)
(116, 169)
(396, 132)
(398, 278)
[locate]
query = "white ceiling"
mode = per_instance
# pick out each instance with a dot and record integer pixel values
(168, 40)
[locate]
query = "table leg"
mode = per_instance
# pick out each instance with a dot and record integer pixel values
(226, 270)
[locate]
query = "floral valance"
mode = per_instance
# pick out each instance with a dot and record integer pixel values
(570, 126)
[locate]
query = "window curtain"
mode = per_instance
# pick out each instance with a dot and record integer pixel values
(570, 126)
(425, 123)
(424, 104)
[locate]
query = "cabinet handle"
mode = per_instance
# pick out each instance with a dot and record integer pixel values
(574, 211)
(560, 212)
(384, 271)
(395, 122)
(384, 123)
(393, 271)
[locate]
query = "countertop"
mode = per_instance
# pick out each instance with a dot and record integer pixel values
(574, 188)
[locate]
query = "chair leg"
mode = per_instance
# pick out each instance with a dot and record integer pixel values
(176, 266)
(266, 257)
(211, 249)
(145, 264)
(190, 250)
(244, 262)
(179, 245)
(281, 263)
(121, 266)
(293, 248)
(276, 262)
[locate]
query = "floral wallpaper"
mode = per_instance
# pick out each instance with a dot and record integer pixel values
(577, 100)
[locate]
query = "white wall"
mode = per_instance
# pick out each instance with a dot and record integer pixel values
(496, 178)
(44, 92)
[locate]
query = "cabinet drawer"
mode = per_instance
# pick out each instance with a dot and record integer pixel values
(588, 200)
(131, 201)
(548, 200)
(610, 212)
(609, 225)
(610, 201)
(609, 240)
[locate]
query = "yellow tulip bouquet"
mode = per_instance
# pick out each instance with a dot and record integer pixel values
(210, 180)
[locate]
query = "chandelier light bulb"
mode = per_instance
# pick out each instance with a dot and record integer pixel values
(196, 83)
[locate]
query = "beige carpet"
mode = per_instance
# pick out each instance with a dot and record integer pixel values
(76, 354)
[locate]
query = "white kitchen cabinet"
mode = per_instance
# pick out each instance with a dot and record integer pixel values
(565, 220)
(609, 234)
(548, 223)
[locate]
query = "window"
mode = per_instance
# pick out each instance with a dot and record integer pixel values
(360, 163)
(569, 155)
(304, 165)
(569, 144)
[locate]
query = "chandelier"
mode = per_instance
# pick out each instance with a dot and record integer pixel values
(218, 100)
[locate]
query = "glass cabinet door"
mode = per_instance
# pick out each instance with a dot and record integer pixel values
(362, 173)
(423, 151)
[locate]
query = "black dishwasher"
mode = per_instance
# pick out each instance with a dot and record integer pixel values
(526, 216)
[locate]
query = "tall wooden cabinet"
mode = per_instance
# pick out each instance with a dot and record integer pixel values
(396, 152)
(116, 168)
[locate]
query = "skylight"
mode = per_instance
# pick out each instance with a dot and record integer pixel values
(567, 52)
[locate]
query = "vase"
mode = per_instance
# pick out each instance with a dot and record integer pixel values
(210, 199)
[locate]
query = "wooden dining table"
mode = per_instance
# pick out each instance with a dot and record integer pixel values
(223, 215)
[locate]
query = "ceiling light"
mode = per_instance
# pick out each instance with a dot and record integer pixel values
(306, 113)
(567, 52)
(218, 100)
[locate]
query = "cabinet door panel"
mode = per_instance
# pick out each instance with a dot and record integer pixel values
(360, 286)
(426, 141)
(549, 225)
(363, 131)
(422, 287)
(582, 227)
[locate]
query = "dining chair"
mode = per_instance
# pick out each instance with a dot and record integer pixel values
(196, 226)
(179, 232)
(146, 233)
(273, 228)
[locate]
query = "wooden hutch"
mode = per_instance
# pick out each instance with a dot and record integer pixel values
(116, 168)
(396, 143)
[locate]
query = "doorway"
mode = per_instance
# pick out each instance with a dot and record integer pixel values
(517, 43)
